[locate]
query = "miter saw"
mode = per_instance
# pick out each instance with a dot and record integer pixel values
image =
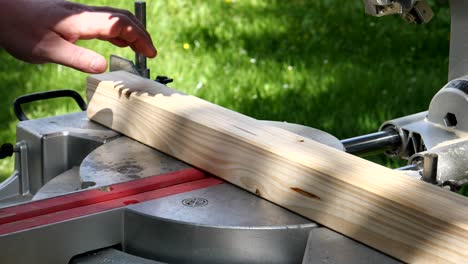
(82, 193)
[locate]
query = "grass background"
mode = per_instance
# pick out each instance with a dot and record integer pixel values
(321, 63)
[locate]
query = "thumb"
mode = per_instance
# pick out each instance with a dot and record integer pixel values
(71, 55)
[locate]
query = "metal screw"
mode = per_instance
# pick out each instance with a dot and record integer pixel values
(129, 169)
(195, 202)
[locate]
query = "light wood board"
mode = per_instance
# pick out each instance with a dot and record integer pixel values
(403, 217)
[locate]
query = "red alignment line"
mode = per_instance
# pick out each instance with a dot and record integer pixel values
(87, 197)
(105, 205)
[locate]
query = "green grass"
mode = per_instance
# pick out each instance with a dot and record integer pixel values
(321, 63)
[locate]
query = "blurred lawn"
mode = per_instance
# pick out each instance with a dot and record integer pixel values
(321, 63)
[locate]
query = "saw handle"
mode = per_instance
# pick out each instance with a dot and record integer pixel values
(28, 98)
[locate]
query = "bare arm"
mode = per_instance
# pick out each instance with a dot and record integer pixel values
(41, 31)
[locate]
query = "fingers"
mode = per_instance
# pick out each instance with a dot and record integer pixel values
(117, 28)
(79, 8)
(58, 50)
(122, 12)
(118, 42)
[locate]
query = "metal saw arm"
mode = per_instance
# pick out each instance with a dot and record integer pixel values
(413, 11)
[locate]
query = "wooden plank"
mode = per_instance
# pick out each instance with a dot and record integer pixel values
(403, 217)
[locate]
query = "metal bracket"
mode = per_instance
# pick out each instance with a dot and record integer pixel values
(412, 11)
(121, 64)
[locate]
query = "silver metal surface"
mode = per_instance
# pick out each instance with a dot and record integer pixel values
(22, 155)
(371, 143)
(326, 246)
(458, 58)
(234, 226)
(56, 144)
(65, 183)
(58, 243)
(227, 206)
(308, 132)
(442, 131)
(16, 187)
(417, 134)
(452, 160)
(47, 148)
(124, 159)
(448, 108)
(111, 256)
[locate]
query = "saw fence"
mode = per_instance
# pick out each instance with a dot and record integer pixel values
(403, 217)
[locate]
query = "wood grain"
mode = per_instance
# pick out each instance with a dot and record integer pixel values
(403, 217)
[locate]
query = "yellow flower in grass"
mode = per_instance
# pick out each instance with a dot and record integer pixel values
(186, 46)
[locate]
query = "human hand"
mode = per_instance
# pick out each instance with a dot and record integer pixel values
(41, 31)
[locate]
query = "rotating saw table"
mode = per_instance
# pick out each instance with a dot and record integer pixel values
(103, 197)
